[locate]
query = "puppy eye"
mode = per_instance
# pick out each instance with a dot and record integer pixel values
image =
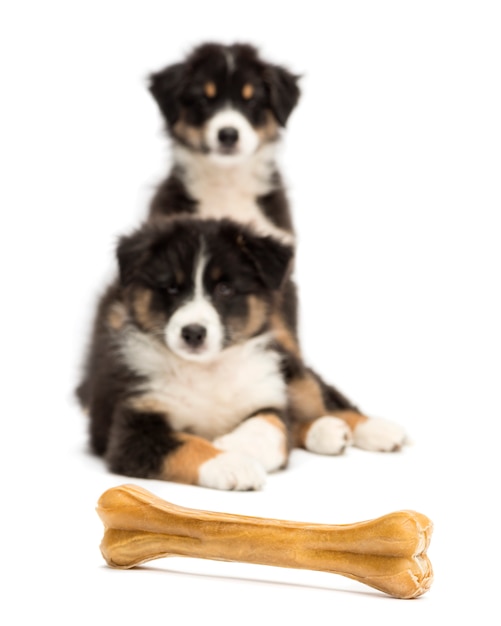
(203, 101)
(172, 289)
(168, 286)
(223, 290)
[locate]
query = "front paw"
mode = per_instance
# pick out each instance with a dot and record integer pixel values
(232, 471)
(379, 435)
(260, 438)
(328, 435)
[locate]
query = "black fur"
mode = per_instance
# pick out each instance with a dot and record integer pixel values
(139, 443)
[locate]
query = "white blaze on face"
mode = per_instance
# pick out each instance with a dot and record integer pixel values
(230, 61)
(198, 311)
(246, 144)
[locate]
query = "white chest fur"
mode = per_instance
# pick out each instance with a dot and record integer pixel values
(231, 190)
(207, 399)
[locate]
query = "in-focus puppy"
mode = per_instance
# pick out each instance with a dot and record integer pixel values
(184, 379)
(224, 108)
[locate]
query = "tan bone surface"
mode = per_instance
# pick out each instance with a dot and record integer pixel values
(387, 553)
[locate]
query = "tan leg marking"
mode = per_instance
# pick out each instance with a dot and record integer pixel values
(182, 465)
(272, 419)
(306, 401)
(299, 433)
(275, 421)
(300, 429)
(327, 434)
(352, 418)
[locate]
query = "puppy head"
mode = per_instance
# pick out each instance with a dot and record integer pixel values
(200, 286)
(224, 101)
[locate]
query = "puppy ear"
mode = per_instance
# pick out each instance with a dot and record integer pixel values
(165, 87)
(271, 258)
(133, 251)
(284, 92)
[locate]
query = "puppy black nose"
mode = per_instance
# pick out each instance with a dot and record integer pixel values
(228, 136)
(194, 334)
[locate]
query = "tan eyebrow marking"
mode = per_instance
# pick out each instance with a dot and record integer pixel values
(210, 89)
(247, 91)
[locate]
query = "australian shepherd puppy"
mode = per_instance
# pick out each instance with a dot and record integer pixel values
(224, 109)
(186, 377)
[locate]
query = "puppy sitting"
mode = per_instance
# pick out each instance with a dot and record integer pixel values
(224, 108)
(184, 380)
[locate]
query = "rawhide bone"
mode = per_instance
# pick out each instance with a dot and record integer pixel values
(387, 553)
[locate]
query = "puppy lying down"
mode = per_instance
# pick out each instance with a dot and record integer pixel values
(187, 377)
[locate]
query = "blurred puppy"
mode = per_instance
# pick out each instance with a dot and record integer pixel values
(224, 108)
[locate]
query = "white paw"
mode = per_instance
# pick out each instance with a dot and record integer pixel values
(379, 435)
(328, 435)
(259, 439)
(230, 470)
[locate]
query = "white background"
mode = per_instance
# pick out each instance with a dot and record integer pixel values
(392, 160)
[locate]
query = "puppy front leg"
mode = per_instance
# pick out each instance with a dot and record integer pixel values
(313, 427)
(369, 433)
(263, 436)
(143, 445)
(326, 423)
